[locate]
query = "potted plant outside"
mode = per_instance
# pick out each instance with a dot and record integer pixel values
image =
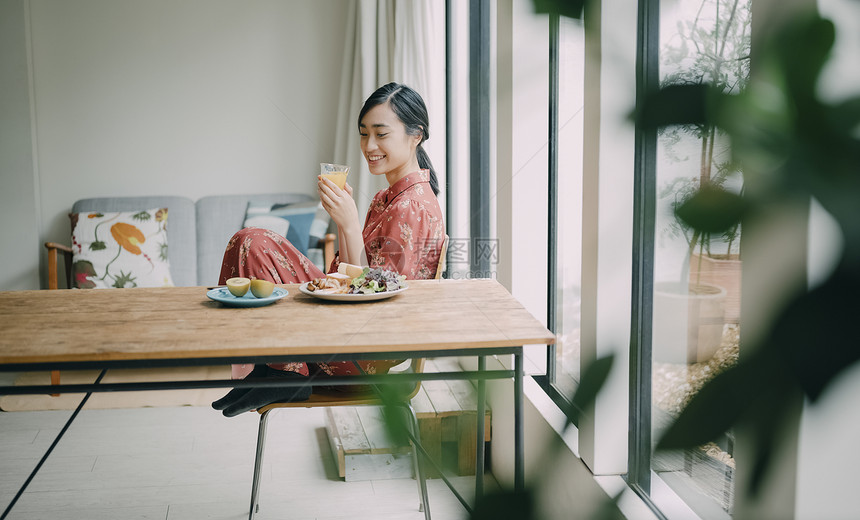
(712, 48)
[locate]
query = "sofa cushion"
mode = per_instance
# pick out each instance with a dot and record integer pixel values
(120, 249)
(265, 221)
(300, 216)
(218, 218)
(182, 232)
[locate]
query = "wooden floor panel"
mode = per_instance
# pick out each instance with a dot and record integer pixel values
(192, 463)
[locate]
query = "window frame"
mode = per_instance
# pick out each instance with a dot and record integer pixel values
(638, 477)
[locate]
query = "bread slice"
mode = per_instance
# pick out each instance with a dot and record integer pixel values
(350, 270)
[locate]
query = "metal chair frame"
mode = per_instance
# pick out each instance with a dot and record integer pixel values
(328, 398)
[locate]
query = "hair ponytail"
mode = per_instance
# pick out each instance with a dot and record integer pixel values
(412, 112)
(425, 164)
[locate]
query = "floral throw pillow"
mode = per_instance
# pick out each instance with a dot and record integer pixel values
(116, 250)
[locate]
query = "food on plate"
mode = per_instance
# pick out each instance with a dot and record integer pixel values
(350, 270)
(339, 280)
(238, 286)
(374, 280)
(262, 288)
(332, 283)
(366, 280)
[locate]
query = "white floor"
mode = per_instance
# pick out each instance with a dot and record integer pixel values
(192, 463)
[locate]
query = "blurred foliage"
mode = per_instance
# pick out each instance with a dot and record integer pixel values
(507, 503)
(567, 8)
(792, 145)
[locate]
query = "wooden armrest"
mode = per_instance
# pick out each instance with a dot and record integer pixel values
(60, 247)
(327, 245)
(53, 247)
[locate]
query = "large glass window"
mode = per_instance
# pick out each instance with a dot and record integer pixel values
(694, 309)
(571, 59)
(697, 277)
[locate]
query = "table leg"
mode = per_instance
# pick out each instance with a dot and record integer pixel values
(50, 448)
(519, 441)
(479, 449)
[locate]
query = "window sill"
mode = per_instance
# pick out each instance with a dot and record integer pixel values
(629, 503)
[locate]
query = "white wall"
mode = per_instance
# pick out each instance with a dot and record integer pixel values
(190, 98)
(607, 232)
(522, 151)
(19, 234)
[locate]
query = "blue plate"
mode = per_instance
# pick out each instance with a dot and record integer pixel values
(221, 294)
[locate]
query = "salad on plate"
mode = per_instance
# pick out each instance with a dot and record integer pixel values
(374, 280)
(357, 280)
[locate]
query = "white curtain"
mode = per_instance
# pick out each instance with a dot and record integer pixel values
(390, 40)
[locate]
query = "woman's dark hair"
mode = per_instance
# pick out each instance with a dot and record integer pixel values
(412, 112)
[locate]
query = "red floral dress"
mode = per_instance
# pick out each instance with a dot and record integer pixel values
(403, 231)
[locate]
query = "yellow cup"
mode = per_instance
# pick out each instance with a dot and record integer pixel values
(336, 173)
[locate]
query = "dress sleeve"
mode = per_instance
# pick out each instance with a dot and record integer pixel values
(409, 240)
(335, 262)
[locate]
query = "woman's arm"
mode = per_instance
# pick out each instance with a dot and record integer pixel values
(355, 249)
(343, 245)
(341, 207)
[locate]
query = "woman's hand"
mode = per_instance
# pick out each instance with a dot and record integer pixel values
(339, 204)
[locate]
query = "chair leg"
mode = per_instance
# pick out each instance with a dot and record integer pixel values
(412, 424)
(55, 379)
(258, 465)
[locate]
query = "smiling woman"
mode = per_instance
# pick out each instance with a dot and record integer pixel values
(393, 125)
(403, 232)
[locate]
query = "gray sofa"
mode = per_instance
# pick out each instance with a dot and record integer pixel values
(198, 231)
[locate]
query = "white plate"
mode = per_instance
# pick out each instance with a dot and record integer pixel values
(303, 288)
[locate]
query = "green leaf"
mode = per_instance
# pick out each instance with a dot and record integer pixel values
(567, 8)
(710, 413)
(506, 505)
(845, 118)
(818, 335)
(802, 48)
(768, 420)
(592, 380)
(98, 245)
(124, 280)
(727, 399)
(679, 105)
(142, 216)
(712, 210)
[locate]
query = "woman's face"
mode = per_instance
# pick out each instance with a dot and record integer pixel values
(389, 150)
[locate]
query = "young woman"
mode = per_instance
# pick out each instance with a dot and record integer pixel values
(403, 231)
